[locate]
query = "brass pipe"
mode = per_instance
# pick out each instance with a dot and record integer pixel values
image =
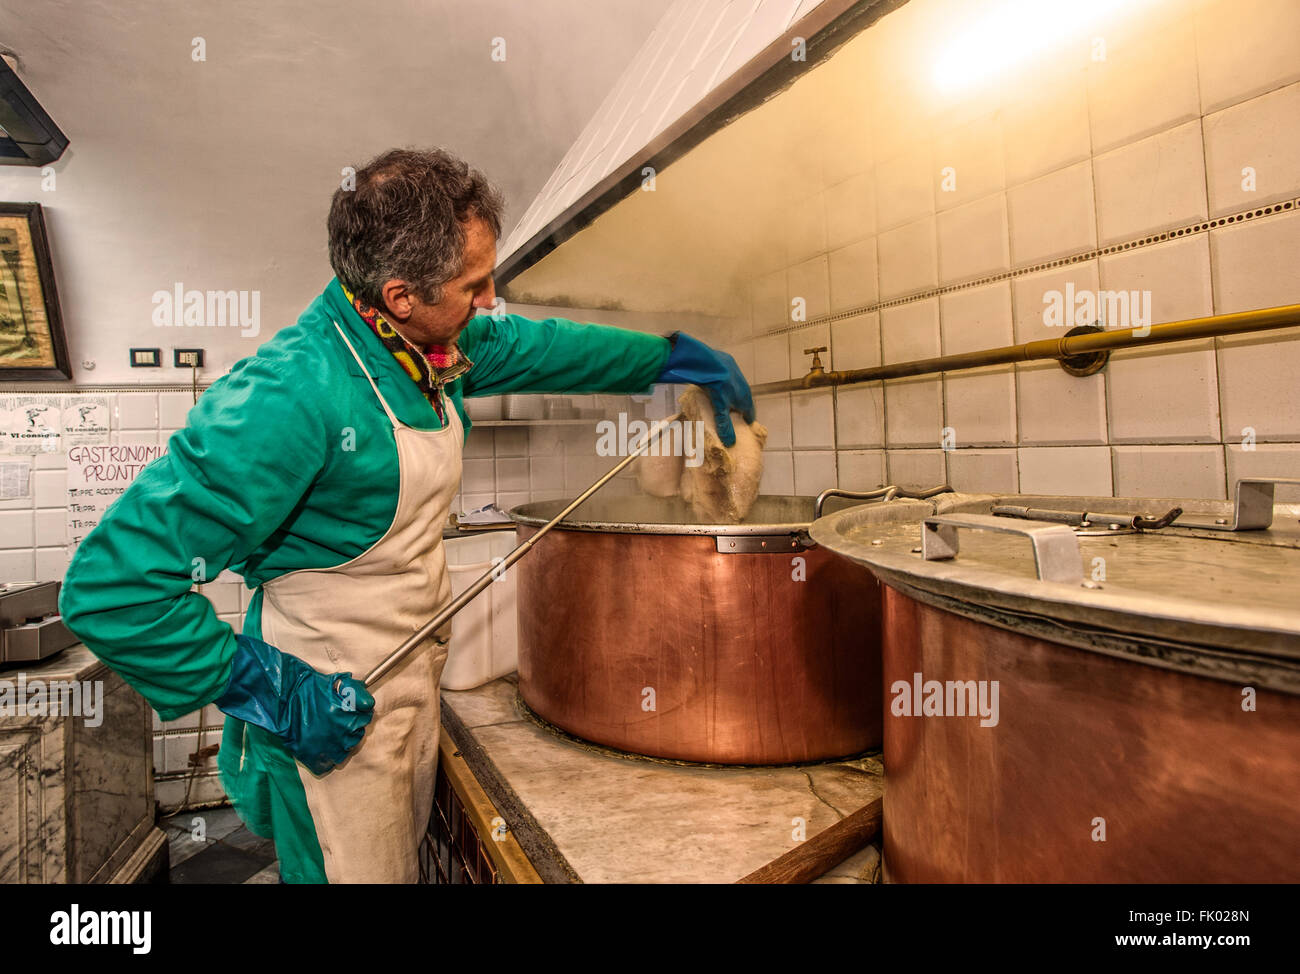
(1236, 323)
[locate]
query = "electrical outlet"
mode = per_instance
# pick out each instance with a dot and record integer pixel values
(185, 358)
(146, 358)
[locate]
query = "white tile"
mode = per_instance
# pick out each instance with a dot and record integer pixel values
(774, 413)
(1144, 85)
(778, 473)
(17, 529)
(52, 563)
(910, 331)
(983, 471)
(968, 162)
(1252, 152)
(1245, 49)
(853, 276)
(478, 476)
(860, 416)
(546, 473)
(904, 187)
(51, 461)
(1033, 296)
(512, 475)
(907, 259)
(810, 282)
(137, 411)
(1052, 216)
(511, 442)
(51, 527)
(1265, 460)
(976, 318)
(914, 412)
(509, 500)
(50, 488)
(19, 565)
(981, 406)
(479, 443)
(818, 336)
(224, 597)
(173, 407)
(917, 468)
(1254, 267)
(805, 229)
(813, 417)
(1045, 128)
(855, 341)
(860, 469)
(134, 437)
(771, 359)
(768, 300)
(850, 211)
(973, 240)
(1076, 470)
(1169, 471)
(1056, 408)
(1151, 185)
(814, 471)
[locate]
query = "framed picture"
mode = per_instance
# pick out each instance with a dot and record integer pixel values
(32, 344)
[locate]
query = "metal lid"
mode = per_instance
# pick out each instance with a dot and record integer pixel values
(1196, 583)
(642, 514)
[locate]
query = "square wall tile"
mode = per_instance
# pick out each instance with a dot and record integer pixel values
(137, 411)
(768, 300)
(853, 276)
(774, 413)
(478, 476)
(981, 406)
(1169, 471)
(1056, 408)
(983, 471)
(1265, 460)
(968, 162)
(771, 359)
(813, 416)
(479, 443)
(910, 331)
(850, 210)
(975, 318)
(51, 528)
(19, 565)
(973, 240)
(1254, 267)
(1176, 274)
(512, 474)
(860, 469)
(805, 229)
(914, 412)
(917, 468)
(52, 563)
(809, 283)
(1252, 152)
(904, 187)
(860, 416)
(778, 473)
(1045, 128)
(907, 259)
(1144, 85)
(1049, 303)
(817, 336)
(173, 407)
(855, 341)
(814, 471)
(1245, 49)
(511, 442)
(1151, 185)
(17, 529)
(50, 488)
(1052, 216)
(1066, 470)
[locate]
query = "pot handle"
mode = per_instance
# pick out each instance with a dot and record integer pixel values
(1056, 549)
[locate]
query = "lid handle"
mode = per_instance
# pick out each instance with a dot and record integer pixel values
(1056, 549)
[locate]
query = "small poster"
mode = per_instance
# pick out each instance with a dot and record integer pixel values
(15, 479)
(32, 424)
(97, 476)
(85, 421)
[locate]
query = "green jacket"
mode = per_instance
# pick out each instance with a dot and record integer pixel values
(289, 462)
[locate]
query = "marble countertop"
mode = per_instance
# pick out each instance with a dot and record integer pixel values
(589, 814)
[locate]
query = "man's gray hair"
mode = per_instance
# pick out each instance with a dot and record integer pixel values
(406, 220)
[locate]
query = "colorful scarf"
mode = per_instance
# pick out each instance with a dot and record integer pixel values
(429, 368)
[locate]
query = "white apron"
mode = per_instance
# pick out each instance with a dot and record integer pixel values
(371, 811)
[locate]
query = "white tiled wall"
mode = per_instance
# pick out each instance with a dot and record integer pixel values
(939, 210)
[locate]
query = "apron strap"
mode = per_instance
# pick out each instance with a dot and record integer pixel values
(382, 401)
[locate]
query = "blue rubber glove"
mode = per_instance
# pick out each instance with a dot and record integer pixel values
(280, 693)
(717, 373)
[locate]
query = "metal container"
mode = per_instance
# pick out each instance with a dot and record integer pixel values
(1088, 702)
(642, 629)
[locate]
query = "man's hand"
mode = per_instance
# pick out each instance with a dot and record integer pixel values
(717, 373)
(320, 718)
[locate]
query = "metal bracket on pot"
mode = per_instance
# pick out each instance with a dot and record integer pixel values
(1254, 507)
(1056, 549)
(886, 493)
(748, 544)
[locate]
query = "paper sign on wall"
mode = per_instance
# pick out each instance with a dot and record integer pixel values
(32, 424)
(97, 476)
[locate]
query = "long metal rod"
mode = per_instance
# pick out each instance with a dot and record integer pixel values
(1236, 323)
(495, 572)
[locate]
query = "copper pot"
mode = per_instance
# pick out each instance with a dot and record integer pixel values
(644, 630)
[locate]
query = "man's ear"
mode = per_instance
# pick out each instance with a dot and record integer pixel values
(399, 302)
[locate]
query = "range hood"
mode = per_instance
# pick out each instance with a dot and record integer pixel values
(28, 136)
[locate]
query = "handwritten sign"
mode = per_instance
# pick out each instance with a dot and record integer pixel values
(97, 476)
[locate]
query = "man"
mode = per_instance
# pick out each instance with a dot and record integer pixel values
(322, 470)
